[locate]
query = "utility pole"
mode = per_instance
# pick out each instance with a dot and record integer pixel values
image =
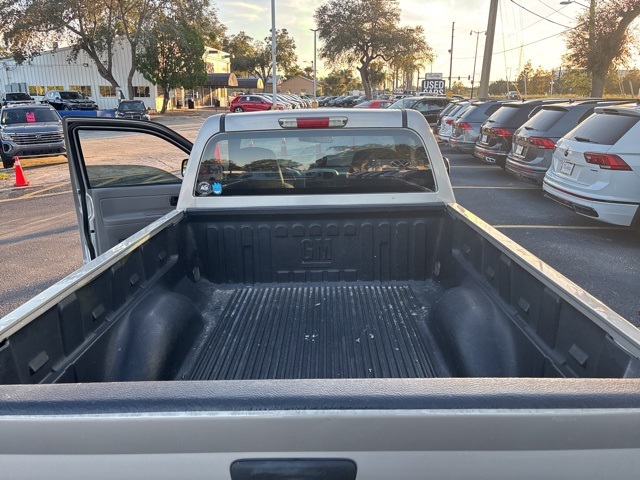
(475, 57)
(453, 25)
(488, 50)
(315, 83)
(273, 53)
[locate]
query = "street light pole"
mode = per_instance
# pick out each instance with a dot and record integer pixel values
(475, 58)
(315, 84)
(453, 25)
(273, 52)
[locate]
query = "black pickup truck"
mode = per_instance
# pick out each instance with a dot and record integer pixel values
(308, 302)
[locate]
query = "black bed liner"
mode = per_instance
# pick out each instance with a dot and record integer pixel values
(318, 331)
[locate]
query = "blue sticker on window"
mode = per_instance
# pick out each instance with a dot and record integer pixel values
(217, 188)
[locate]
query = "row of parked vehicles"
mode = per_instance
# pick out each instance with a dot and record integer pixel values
(30, 129)
(256, 102)
(585, 153)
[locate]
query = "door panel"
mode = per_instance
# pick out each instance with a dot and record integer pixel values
(126, 174)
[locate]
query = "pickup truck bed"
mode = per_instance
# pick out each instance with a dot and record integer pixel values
(369, 293)
(333, 330)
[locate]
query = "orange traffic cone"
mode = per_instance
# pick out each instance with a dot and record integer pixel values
(20, 180)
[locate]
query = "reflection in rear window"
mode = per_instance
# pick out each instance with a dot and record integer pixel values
(545, 119)
(504, 114)
(603, 129)
(305, 162)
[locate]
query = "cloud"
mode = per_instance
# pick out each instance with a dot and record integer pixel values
(247, 6)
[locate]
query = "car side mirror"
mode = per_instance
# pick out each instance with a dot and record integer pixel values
(447, 165)
(183, 168)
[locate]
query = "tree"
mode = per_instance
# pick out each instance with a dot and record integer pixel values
(602, 40)
(244, 52)
(359, 32)
(459, 88)
(96, 27)
(524, 77)
(339, 81)
(576, 82)
(251, 57)
(32, 26)
(285, 56)
(540, 82)
(172, 56)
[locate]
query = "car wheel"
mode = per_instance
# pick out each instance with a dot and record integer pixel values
(7, 162)
(238, 109)
(66, 107)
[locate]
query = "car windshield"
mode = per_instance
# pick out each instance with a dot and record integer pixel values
(15, 116)
(17, 96)
(315, 162)
(71, 96)
(403, 103)
(131, 106)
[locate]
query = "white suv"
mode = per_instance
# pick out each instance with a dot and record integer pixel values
(596, 166)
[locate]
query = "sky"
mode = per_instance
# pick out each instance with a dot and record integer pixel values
(520, 35)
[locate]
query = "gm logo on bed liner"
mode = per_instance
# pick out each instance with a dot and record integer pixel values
(316, 252)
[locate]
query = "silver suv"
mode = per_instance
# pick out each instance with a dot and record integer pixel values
(30, 131)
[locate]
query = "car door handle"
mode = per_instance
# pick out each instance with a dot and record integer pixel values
(173, 200)
(298, 469)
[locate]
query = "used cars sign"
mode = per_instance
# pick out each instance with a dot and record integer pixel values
(435, 87)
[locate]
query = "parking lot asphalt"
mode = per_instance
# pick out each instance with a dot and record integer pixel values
(601, 258)
(40, 232)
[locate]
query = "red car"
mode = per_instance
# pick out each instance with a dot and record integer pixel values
(251, 103)
(374, 104)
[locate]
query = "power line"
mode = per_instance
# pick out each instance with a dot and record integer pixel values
(534, 13)
(525, 45)
(557, 10)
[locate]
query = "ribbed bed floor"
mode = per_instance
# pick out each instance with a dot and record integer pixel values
(328, 331)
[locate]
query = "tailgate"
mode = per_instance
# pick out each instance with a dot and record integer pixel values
(451, 428)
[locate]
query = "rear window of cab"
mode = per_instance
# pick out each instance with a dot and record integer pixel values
(314, 161)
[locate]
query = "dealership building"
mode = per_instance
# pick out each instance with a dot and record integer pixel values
(55, 70)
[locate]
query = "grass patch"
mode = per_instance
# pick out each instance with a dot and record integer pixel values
(4, 176)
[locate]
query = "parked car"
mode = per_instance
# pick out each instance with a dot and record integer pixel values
(595, 169)
(375, 104)
(534, 142)
(445, 111)
(69, 100)
(497, 131)
(446, 124)
(513, 95)
(344, 101)
(252, 103)
(133, 109)
(466, 128)
(13, 98)
(30, 131)
(429, 107)
(336, 101)
(286, 104)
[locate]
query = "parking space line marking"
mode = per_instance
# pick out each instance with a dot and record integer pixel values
(45, 189)
(562, 227)
(6, 200)
(496, 188)
(21, 227)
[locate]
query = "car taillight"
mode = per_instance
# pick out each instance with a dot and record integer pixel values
(502, 132)
(606, 161)
(449, 121)
(542, 142)
(464, 126)
(313, 122)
